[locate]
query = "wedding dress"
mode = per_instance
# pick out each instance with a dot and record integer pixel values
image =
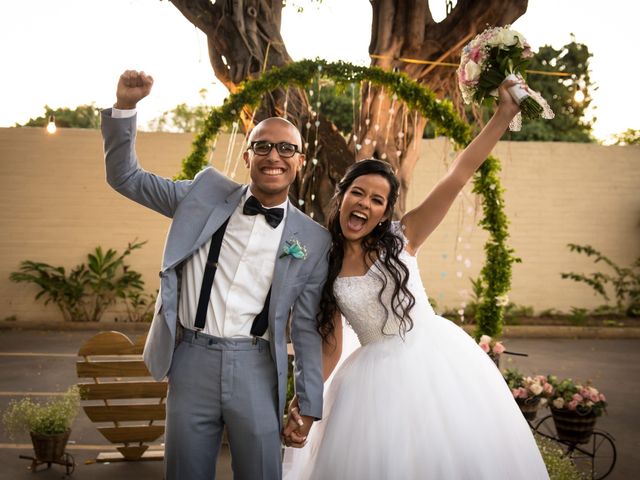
(431, 405)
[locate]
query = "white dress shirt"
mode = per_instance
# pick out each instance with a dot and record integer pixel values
(243, 277)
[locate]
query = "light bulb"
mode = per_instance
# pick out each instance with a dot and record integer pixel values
(51, 126)
(578, 96)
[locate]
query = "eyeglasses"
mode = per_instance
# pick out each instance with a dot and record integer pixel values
(284, 149)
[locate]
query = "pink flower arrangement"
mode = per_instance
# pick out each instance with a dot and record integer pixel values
(492, 56)
(490, 346)
(528, 388)
(572, 396)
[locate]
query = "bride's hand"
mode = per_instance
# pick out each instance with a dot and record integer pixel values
(297, 428)
(507, 106)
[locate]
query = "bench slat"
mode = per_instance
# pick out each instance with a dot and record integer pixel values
(122, 390)
(111, 343)
(132, 434)
(135, 368)
(125, 413)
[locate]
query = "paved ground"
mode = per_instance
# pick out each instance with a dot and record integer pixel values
(43, 361)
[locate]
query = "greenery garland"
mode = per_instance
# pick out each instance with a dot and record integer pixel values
(495, 276)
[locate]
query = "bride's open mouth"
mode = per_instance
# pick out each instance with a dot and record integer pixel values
(357, 221)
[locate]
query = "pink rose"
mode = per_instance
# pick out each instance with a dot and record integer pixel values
(602, 397)
(475, 54)
(484, 347)
(594, 397)
(572, 405)
(517, 392)
(547, 388)
(577, 397)
(498, 348)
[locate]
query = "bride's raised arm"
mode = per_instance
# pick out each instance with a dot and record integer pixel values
(420, 222)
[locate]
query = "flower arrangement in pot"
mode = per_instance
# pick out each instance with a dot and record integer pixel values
(530, 393)
(48, 423)
(575, 408)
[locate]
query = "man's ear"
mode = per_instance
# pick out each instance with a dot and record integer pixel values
(245, 157)
(301, 161)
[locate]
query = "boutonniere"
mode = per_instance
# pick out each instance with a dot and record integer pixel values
(295, 249)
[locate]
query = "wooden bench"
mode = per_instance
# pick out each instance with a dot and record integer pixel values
(122, 396)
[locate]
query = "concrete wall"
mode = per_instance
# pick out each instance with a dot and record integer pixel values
(56, 207)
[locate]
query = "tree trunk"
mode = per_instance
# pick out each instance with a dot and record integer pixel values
(244, 40)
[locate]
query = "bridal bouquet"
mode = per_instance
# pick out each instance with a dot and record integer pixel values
(493, 56)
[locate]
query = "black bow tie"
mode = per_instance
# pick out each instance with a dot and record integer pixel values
(273, 216)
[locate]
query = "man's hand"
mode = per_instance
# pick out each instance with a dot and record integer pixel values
(297, 428)
(133, 86)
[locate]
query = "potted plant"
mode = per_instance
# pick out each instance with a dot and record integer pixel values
(48, 423)
(530, 393)
(575, 408)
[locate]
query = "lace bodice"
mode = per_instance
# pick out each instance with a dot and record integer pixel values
(359, 301)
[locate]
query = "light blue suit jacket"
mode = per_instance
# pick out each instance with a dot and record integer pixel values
(197, 208)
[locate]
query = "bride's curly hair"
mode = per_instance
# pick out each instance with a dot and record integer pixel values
(381, 243)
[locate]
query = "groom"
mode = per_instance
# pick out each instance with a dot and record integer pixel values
(227, 291)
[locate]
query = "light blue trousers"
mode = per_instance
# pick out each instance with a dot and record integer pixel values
(215, 382)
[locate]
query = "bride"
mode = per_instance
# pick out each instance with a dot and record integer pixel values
(418, 399)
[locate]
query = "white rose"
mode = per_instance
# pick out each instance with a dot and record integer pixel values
(496, 39)
(506, 37)
(510, 37)
(472, 70)
(558, 403)
(502, 300)
(485, 339)
(536, 388)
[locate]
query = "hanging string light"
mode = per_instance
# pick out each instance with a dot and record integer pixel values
(242, 145)
(214, 144)
(392, 112)
(230, 146)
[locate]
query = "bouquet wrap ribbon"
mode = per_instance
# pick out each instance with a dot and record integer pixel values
(518, 92)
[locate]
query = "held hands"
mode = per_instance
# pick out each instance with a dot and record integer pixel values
(297, 428)
(133, 86)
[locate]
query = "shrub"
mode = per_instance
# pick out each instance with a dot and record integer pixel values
(85, 293)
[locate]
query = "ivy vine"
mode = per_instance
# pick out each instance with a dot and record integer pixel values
(495, 276)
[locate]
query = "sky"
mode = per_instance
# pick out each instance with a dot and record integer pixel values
(67, 53)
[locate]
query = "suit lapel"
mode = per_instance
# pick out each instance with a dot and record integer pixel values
(282, 264)
(216, 218)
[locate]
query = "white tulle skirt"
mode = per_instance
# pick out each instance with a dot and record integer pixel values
(433, 406)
